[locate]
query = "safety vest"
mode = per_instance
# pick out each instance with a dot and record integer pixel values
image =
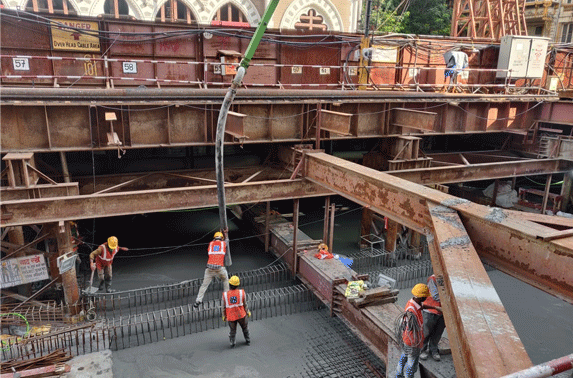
(323, 254)
(430, 300)
(234, 304)
(106, 257)
(217, 250)
(408, 335)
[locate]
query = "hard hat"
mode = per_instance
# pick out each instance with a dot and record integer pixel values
(234, 281)
(112, 242)
(323, 246)
(421, 291)
(218, 234)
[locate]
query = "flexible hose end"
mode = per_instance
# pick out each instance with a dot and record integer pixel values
(239, 76)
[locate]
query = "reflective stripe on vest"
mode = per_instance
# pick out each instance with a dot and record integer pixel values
(234, 304)
(107, 256)
(217, 250)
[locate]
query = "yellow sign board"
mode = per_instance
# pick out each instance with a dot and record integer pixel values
(75, 35)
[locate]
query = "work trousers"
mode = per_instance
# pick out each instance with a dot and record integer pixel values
(408, 363)
(209, 275)
(244, 326)
(434, 326)
(105, 273)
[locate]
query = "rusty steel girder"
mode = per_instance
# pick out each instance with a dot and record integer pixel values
(485, 171)
(492, 232)
(486, 343)
(43, 210)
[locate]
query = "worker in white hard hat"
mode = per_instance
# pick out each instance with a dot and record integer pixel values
(235, 310)
(215, 266)
(410, 332)
(103, 257)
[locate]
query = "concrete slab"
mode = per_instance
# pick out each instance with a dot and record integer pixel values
(91, 365)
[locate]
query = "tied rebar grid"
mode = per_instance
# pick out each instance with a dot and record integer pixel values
(406, 275)
(144, 328)
(333, 351)
(140, 301)
(75, 340)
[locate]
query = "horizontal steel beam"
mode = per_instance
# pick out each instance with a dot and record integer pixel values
(513, 241)
(35, 211)
(485, 171)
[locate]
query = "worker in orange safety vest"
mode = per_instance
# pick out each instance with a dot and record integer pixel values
(235, 310)
(103, 257)
(215, 266)
(411, 325)
(323, 252)
(434, 324)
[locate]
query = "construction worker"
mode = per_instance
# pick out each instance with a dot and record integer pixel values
(411, 332)
(215, 266)
(323, 252)
(235, 310)
(103, 257)
(434, 324)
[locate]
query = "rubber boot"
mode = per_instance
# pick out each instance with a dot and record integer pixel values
(108, 286)
(232, 340)
(101, 283)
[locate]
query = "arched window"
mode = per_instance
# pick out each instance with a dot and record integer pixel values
(310, 21)
(175, 11)
(50, 6)
(230, 15)
(116, 8)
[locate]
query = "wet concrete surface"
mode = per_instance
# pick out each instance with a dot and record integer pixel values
(544, 323)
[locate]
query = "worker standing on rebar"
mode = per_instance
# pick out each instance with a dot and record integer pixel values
(235, 310)
(103, 257)
(215, 266)
(434, 324)
(410, 332)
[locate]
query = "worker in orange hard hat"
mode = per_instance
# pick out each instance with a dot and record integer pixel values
(103, 257)
(411, 332)
(215, 266)
(323, 252)
(235, 310)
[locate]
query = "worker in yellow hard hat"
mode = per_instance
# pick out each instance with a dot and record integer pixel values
(323, 253)
(434, 324)
(103, 257)
(215, 266)
(235, 310)
(411, 332)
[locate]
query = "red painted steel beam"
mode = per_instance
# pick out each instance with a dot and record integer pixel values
(35, 211)
(513, 243)
(485, 343)
(485, 171)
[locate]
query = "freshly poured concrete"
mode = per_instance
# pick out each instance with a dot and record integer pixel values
(544, 323)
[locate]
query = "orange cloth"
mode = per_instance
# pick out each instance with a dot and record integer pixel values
(234, 304)
(323, 254)
(106, 257)
(217, 250)
(430, 300)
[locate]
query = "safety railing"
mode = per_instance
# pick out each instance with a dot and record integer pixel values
(410, 73)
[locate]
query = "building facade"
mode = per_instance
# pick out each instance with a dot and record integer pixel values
(308, 15)
(551, 19)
